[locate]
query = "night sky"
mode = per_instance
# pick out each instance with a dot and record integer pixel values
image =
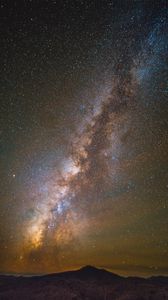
(84, 136)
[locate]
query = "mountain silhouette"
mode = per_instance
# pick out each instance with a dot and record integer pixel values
(87, 283)
(87, 273)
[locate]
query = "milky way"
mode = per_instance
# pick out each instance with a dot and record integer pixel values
(84, 138)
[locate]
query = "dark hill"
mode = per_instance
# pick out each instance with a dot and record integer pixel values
(86, 273)
(87, 283)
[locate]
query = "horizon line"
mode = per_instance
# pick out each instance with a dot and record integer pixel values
(20, 274)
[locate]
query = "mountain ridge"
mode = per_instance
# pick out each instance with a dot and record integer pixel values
(86, 283)
(84, 270)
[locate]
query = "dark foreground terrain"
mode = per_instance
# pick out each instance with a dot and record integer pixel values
(86, 283)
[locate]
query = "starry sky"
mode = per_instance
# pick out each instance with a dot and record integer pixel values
(84, 136)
